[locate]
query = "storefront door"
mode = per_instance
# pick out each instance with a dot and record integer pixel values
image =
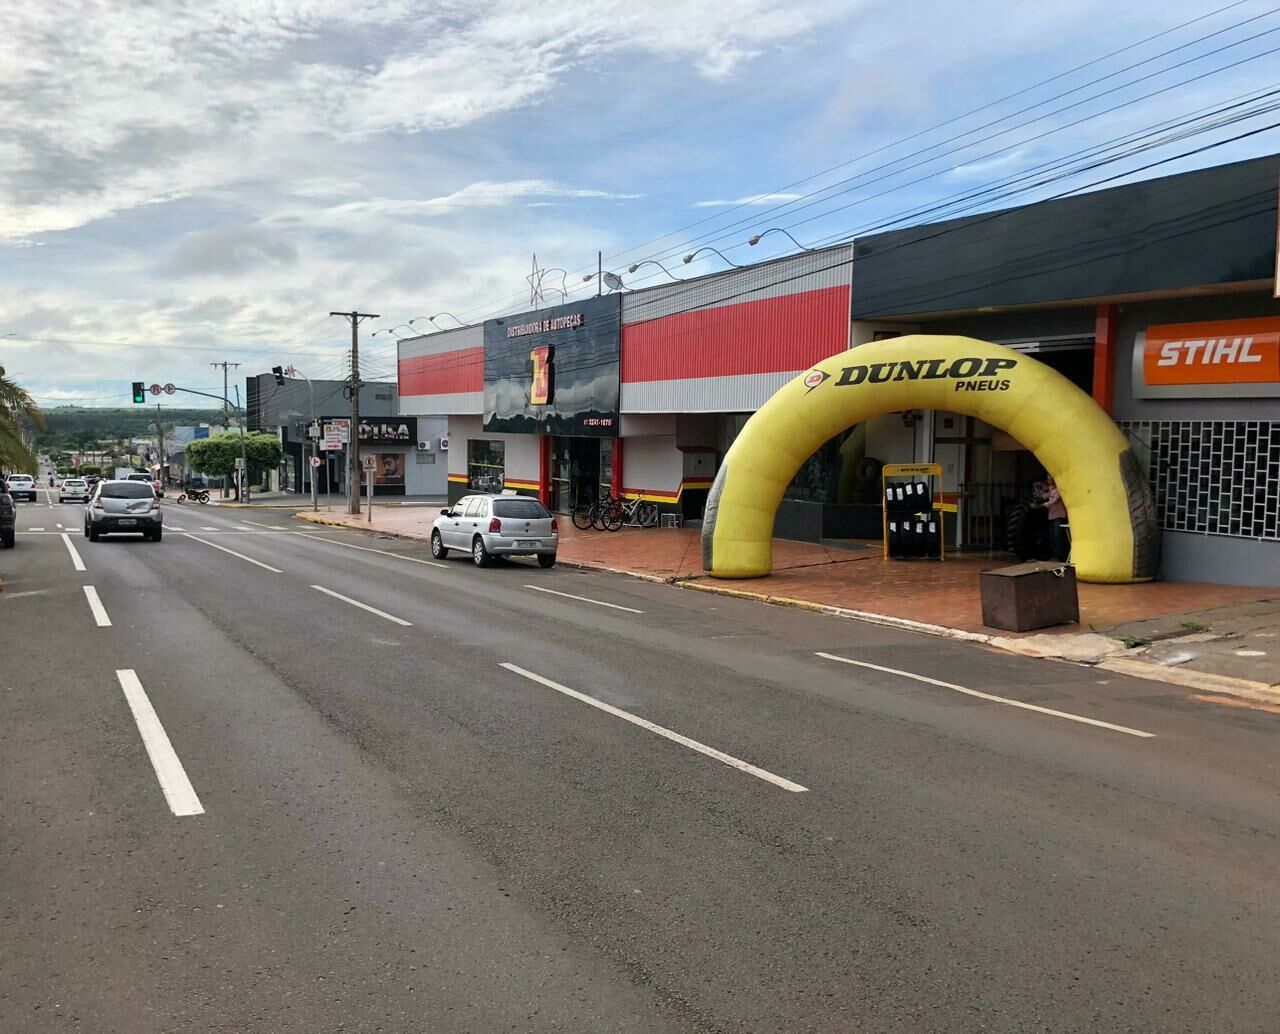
(575, 472)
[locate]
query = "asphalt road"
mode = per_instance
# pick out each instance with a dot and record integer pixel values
(485, 805)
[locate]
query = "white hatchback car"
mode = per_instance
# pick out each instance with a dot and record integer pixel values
(23, 485)
(74, 488)
(497, 525)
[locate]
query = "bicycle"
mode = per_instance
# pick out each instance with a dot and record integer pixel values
(640, 513)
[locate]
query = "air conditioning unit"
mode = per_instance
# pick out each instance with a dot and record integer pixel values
(444, 443)
(424, 446)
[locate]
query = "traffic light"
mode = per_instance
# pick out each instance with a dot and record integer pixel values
(279, 375)
(139, 392)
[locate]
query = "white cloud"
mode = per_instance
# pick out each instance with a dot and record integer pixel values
(753, 200)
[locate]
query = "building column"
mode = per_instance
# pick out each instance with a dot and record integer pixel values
(1104, 357)
(544, 470)
(616, 466)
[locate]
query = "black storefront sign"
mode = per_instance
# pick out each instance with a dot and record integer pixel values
(554, 371)
(383, 430)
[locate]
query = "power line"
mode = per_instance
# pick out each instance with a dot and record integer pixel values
(951, 121)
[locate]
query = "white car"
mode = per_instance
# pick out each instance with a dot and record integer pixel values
(486, 526)
(74, 488)
(23, 485)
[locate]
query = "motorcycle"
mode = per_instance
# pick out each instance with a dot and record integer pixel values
(196, 495)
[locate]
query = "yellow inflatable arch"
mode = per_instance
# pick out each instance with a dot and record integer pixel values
(1113, 530)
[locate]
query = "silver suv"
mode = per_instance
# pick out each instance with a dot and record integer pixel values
(496, 525)
(123, 506)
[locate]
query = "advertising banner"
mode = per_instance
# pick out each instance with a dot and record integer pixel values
(1224, 359)
(388, 469)
(554, 371)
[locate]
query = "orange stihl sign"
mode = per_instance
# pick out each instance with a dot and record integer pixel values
(1231, 352)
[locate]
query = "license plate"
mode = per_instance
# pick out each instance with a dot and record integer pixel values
(527, 543)
(126, 521)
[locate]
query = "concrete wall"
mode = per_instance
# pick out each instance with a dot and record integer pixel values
(1218, 558)
(652, 463)
(521, 461)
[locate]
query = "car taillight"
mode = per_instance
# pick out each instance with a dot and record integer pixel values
(495, 526)
(97, 504)
(155, 504)
(555, 526)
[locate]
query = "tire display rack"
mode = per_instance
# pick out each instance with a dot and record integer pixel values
(912, 511)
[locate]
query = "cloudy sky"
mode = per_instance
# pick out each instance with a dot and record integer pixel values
(187, 182)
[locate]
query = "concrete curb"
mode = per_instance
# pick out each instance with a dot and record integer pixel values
(1203, 681)
(1189, 677)
(254, 506)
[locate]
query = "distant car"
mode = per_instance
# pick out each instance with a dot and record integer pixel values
(8, 518)
(489, 525)
(23, 485)
(74, 488)
(124, 506)
(92, 480)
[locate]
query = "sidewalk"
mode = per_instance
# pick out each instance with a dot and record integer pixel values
(1222, 638)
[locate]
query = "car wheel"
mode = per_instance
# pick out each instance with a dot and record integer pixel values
(438, 549)
(91, 533)
(7, 540)
(546, 560)
(479, 555)
(156, 535)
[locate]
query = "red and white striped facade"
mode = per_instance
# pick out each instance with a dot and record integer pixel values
(443, 374)
(726, 343)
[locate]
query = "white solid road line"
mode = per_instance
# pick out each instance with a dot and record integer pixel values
(259, 524)
(95, 605)
(259, 563)
(992, 697)
(585, 599)
(675, 737)
(35, 529)
(208, 528)
(367, 549)
(363, 606)
(175, 528)
(75, 554)
(177, 788)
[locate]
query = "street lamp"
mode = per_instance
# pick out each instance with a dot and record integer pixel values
(707, 247)
(391, 330)
(432, 319)
(757, 238)
(652, 262)
(610, 280)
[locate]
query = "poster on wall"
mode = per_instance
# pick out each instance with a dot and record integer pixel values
(389, 469)
(554, 371)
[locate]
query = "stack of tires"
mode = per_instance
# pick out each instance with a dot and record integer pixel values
(914, 527)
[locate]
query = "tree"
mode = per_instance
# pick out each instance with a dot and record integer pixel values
(17, 408)
(217, 456)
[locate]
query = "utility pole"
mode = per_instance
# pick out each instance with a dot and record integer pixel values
(226, 406)
(353, 447)
(244, 462)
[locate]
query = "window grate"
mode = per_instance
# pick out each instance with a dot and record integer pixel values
(1213, 477)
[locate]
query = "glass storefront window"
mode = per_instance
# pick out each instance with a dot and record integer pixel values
(606, 468)
(486, 465)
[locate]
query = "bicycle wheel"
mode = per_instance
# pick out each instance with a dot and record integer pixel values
(582, 517)
(612, 516)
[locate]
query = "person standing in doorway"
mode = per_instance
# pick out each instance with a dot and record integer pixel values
(1056, 511)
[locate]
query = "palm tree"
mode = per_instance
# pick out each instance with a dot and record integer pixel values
(17, 408)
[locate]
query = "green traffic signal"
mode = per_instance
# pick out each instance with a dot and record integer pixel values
(139, 391)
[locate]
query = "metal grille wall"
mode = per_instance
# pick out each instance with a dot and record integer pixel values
(1213, 477)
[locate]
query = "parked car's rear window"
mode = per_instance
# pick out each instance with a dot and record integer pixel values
(127, 490)
(526, 509)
